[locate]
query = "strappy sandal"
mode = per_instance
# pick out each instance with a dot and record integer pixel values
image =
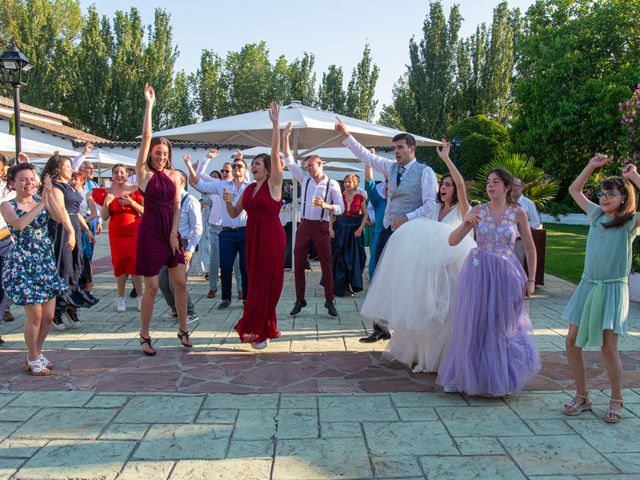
(37, 368)
(614, 415)
(147, 341)
(182, 335)
(574, 407)
(46, 362)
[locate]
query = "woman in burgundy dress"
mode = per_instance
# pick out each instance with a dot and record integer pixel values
(158, 238)
(265, 242)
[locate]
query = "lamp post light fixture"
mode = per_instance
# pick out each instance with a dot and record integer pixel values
(14, 71)
(456, 143)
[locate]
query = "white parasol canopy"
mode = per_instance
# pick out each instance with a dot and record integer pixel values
(31, 148)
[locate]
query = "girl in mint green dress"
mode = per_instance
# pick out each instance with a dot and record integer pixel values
(598, 310)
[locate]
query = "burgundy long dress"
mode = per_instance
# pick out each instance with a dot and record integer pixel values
(153, 249)
(265, 242)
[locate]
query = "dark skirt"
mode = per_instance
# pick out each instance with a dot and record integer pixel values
(349, 256)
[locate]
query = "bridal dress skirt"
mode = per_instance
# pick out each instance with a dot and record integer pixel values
(413, 292)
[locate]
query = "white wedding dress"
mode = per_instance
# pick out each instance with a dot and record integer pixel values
(413, 290)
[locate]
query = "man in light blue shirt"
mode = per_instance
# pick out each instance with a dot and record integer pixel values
(190, 228)
(232, 236)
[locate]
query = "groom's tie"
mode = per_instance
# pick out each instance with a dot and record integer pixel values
(399, 176)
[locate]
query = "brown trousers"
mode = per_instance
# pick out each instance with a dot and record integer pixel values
(314, 232)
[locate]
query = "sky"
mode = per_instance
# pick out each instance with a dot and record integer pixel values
(334, 31)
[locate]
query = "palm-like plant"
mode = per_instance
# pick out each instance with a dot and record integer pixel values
(537, 186)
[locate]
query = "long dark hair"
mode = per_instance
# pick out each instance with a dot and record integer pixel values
(52, 168)
(508, 179)
(627, 208)
(454, 199)
(159, 141)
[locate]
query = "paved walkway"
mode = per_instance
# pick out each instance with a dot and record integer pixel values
(317, 404)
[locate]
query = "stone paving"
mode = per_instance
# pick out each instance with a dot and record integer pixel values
(317, 404)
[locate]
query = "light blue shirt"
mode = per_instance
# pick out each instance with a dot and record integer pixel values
(190, 226)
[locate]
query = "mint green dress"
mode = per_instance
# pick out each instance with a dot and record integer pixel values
(601, 300)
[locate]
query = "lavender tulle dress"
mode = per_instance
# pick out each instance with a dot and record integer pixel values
(492, 351)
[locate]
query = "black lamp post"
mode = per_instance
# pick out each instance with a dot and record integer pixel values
(456, 143)
(14, 71)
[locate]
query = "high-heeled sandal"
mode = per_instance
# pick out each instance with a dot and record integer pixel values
(148, 342)
(574, 407)
(182, 335)
(614, 415)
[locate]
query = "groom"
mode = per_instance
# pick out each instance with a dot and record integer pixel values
(412, 192)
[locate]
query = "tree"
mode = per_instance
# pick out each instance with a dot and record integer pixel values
(180, 109)
(578, 60)
(331, 94)
(281, 90)
(248, 72)
(211, 91)
(45, 31)
(483, 140)
(302, 79)
(360, 101)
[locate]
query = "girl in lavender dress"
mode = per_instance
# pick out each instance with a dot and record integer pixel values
(492, 351)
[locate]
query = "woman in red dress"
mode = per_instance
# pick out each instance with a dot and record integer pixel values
(265, 242)
(122, 202)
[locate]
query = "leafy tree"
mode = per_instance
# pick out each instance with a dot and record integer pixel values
(360, 101)
(180, 104)
(281, 90)
(578, 60)
(248, 72)
(331, 94)
(211, 97)
(302, 79)
(483, 140)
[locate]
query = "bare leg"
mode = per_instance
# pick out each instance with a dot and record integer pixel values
(177, 277)
(576, 363)
(149, 296)
(121, 283)
(137, 283)
(32, 324)
(614, 366)
(48, 309)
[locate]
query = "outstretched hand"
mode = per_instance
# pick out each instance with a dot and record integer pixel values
(47, 184)
(341, 128)
(187, 159)
(599, 160)
(443, 151)
(23, 158)
(213, 153)
(149, 94)
(287, 129)
(274, 112)
(630, 171)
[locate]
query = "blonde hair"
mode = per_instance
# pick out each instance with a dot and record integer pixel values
(354, 178)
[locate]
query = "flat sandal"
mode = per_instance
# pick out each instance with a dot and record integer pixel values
(147, 340)
(574, 408)
(613, 415)
(184, 335)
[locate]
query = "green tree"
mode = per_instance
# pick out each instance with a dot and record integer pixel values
(211, 90)
(360, 101)
(483, 140)
(281, 90)
(45, 31)
(180, 105)
(577, 60)
(302, 79)
(331, 94)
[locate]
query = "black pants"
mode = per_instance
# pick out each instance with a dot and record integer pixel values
(382, 242)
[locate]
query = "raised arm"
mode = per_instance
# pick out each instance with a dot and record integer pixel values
(275, 179)
(575, 189)
(458, 179)
(630, 172)
(77, 161)
(142, 171)
(12, 218)
(379, 163)
(197, 181)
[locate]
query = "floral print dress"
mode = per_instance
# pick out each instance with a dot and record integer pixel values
(30, 275)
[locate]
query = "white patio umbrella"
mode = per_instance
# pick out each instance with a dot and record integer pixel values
(32, 148)
(312, 129)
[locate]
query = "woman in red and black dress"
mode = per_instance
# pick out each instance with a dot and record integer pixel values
(347, 244)
(265, 242)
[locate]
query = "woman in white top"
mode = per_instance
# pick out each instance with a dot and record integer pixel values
(413, 291)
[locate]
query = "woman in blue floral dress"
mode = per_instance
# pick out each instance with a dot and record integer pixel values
(30, 277)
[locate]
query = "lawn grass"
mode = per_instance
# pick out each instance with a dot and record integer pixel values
(565, 251)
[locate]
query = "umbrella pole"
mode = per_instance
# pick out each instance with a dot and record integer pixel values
(294, 210)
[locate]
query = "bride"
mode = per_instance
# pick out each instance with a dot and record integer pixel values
(413, 290)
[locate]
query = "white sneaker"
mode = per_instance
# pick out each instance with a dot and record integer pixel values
(121, 306)
(192, 318)
(139, 300)
(261, 345)
(169, 316)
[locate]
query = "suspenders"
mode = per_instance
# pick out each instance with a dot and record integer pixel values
(326, 195)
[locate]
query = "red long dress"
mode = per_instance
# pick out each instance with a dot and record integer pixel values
(123, 231)
(265, 242)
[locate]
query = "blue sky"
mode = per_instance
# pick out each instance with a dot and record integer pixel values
(334, 31)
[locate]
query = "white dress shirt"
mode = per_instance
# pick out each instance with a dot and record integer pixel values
(429, 180)
(190, 226)
(311, 190)
(530, 209)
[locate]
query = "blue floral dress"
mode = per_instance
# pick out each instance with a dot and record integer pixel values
(30, 275)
